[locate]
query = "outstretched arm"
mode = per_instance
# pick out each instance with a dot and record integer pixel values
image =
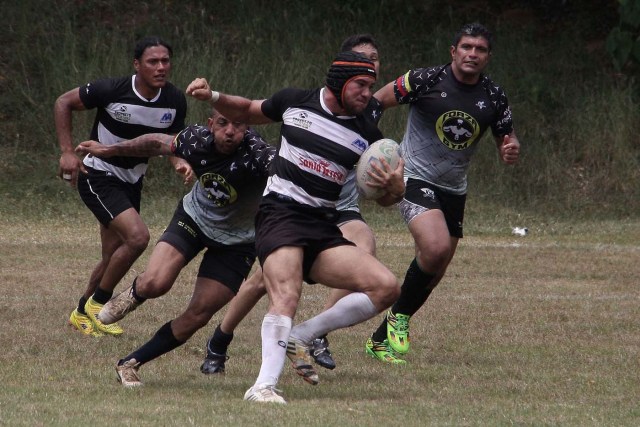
(509, 148)
(151, 144)
(235, 108)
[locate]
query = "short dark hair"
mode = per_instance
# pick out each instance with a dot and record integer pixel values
(149, 41)
(473, 30)
(357, 39)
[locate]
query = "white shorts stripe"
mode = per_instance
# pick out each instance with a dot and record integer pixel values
(98, 198)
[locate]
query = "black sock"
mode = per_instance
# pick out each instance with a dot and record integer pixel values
(81, 303)
(415, 290)
(162, 342)
(101, 296)
(219, 341)
(135, 294)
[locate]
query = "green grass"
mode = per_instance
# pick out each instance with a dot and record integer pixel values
(540, 330)
(577, 118)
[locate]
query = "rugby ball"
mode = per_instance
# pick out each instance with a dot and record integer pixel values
(384, 148)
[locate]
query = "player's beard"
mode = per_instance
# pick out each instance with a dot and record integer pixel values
(354, 109)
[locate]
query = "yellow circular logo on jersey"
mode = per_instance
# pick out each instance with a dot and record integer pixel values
(218, 189)
(457, 129)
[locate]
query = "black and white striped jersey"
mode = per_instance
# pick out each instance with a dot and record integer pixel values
(317, 149)
(122, 113)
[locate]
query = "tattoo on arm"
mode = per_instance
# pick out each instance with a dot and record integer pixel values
(151, 144)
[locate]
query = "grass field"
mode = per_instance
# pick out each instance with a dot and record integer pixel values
(535, 330)
(539, 330)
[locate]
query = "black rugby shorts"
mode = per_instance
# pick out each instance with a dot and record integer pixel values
(227, 264)
(107, 196)
(348, 215)
(421, 196)
(283, 222)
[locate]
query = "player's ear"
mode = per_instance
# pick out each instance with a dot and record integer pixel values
(136, 65)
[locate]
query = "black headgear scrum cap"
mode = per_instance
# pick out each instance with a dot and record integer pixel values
(346, 66)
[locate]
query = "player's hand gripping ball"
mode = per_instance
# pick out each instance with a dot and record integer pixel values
(385, 148)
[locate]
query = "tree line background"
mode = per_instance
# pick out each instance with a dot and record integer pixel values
(573, 88)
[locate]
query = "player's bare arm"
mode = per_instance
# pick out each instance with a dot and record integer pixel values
(151, 144)
(386, 96)
(62, 109)
(235, 108)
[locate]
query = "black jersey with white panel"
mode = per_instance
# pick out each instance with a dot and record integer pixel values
(446, 120)
(225, 198)
(122, 113)
(317, 148)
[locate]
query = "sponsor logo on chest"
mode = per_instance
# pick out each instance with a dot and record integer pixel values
(360, 144)
(301, 121)
(167, 117)
(457, 129)
(122, 115)
(322, 167)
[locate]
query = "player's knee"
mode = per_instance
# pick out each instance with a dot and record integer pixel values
(435, 258)
(188, 323)
(284, 302)
(198, 319)
(388, 288)
(255, 286)
(151, 285)
(139, 241)
(289, 304)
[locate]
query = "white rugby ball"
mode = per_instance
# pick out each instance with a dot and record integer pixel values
(385, 148)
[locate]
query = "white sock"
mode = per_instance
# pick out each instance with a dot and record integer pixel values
(275, 334)
(348, 311)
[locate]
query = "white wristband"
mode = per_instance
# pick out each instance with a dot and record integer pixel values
(214, 96)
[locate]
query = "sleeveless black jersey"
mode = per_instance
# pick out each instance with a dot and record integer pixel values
(317, 148)
(225, 198)
(446, 120)
(125, 114)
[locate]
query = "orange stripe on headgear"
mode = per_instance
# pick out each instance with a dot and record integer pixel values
(345, 67)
